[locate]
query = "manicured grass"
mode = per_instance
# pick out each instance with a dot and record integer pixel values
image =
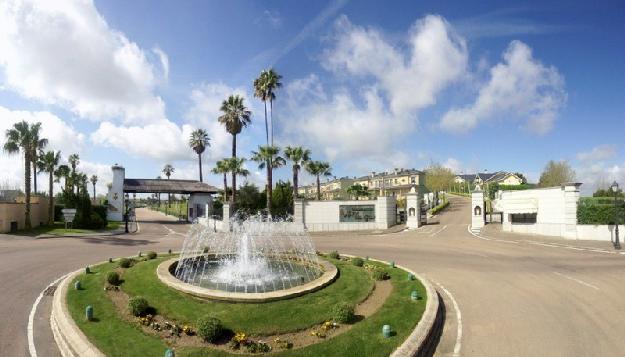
(58, 229)
(353, 286)
(115, 337)
(177, 209)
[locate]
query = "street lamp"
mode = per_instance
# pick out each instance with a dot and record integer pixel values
(617, 244)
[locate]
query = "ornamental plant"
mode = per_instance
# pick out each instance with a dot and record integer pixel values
(358, 262)
(343, 312)
(334, 254)
(151, 255)
(113, 278)
(138, 306)
(209, 328)
(379, 274)
(126, 262)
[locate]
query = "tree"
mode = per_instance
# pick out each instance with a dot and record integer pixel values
(268, 158)
(94, 180)
(438, 178)
(318, 169)
(250, 199)
(63, 172)
(298, 156)
(168, 170)
(265, 88)
(47, 163)
(522, 177)
(198, 142)
(221, 168)
(235, 165)
(556, 173)
(358, 190)
(20, 137)
(73, 160)
(260, 91)
(38, 145)
(282, 199)
(235, 117)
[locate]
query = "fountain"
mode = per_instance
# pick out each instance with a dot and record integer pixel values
(256, 260)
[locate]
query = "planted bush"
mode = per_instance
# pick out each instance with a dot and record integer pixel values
(209, 328)
(379, 274)
(151, 255)
(343, 312)
(138, 306)
(113, 278)
(334, 254)
(358, 262)
(126, 262)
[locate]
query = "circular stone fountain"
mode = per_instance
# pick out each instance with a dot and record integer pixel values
(257, 261)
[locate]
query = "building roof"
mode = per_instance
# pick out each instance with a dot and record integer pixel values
(486, 176)
(167, 186)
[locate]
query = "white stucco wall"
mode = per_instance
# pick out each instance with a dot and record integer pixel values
(324, 215)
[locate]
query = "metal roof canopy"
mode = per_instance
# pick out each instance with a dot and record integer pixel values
(167, 186)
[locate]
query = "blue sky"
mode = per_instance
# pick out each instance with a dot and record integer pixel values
(367, 85)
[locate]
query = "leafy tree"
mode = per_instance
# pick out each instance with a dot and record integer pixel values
(250, 199)
(556, 173)
(47, 163)
(282, 199)
(318, 169)
(438, 178)
(522, 177)
(93, 180)
(268, 158)
(63, 172)
(235, 165)
(601, 192)
(221, 168)
(168, 170)
(20, 138)
(298, 156)
(358, 190)
(199, 141)
(235, 117)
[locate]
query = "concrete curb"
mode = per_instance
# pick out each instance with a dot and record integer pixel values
(422, 341)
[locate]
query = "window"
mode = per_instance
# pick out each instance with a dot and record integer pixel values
(396, 181)
(527, 218)
(356, 213)
(413, 179)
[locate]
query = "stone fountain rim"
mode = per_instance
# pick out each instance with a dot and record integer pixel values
(163, 271)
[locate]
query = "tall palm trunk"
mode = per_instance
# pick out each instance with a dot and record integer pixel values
(225, 187)
(27, 224)
(295, 172)
(234, 175)
(199, 159)
(269, 188)
(51, 201)
(266, 125)
(318, 189)
(94, 192)
(271, 112)
(35, 174)
(168, 196)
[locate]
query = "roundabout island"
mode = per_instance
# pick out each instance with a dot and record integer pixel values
(279, 296)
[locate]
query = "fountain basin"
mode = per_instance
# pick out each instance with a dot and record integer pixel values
(329, 273)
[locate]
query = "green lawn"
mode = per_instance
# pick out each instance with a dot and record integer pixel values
(177, 209)
(117, 338)
(58, 229)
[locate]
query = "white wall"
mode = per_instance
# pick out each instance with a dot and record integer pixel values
(324, 215)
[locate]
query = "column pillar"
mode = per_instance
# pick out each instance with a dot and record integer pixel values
(227, 213)
(298, 212)
(477, 210)
(413, 209)
(571, 198)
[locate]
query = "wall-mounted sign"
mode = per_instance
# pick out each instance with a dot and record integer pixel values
(356, 213)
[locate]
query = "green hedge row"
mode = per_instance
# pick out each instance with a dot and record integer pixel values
(439, 208)
(589, 212)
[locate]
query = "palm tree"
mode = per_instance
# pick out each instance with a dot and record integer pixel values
(47, 163)
(319, 168)
(94, 180)
(82, 180)
(260, 91)
(267, 157)
(198, 142)
(235, 166)
(357, 190)
(235, 117)
(159, 194)
(221, 168)
(74, 160)
(20, 137)
(298, 156)
(63, 171)
(38, 145)
(272, 83)
(168, 170)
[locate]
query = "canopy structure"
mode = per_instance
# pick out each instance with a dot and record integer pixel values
(167, 186)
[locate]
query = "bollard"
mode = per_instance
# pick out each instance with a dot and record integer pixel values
(410, 276)
(89, 312)
(87, 270)
(168, 251)
(392, 264)
(367, 258)
(169, 353)
(77, 285)
(110, 260)
(414, 295)
(386, 331)
(139, 254)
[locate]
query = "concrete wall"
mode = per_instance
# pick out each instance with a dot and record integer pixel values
(14, 212)
(115, 196)
(199, 203)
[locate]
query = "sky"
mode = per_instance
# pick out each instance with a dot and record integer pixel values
(367, 85)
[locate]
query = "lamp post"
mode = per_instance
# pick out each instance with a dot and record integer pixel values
(617, 244)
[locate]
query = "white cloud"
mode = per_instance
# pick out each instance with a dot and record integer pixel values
(453, 164)
(64, 53)
(437, 56)
(599, 175)
(598, 153)
(520, 87)
(270, 17)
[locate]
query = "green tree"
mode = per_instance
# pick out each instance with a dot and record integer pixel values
(73, 160)
(265, 87)
(168, 170)
(93, 180)
(318, 169)
(522, 177)
(438, 178)
(556, 173)
(235, 117)
(298, 156)
(20, 138)
(47, 163)
(268, 158)
(63, 172)
(282, 199)
(250, 199)
(236, 166)
(38, 145)
(358, 190)
(221, 168)
(199, 141)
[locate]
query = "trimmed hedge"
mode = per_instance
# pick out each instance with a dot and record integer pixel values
(138, 306)
(589, 212)
(209, 328)
(343, 312)
(439, 208)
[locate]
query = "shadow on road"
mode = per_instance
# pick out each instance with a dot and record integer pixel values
(117, 240)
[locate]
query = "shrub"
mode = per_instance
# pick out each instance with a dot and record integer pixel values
(138, 306)
(209, 328)
(151, 255)
(379, 274)
(126, 262)
(334, 254)
(590, 212)
(343, 312)
(58, 215)
(113, 278)
(358, 262)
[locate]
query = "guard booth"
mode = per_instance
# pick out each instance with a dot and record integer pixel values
(200, 194)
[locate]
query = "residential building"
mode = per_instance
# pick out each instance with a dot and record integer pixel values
(485, 178)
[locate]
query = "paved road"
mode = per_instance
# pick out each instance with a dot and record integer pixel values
(505, 295)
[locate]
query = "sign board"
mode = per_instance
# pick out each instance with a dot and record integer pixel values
(356, 213)
(68, 214)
